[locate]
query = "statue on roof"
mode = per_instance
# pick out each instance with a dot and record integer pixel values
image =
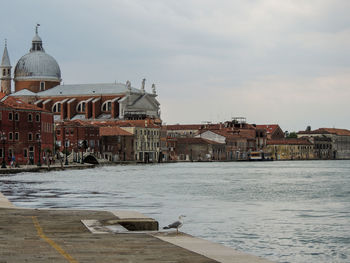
(128, 85)
(143, 85)
(154, 89)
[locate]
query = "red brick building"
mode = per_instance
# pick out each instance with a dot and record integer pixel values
(27, 131)
(117, 144)
(77, 136)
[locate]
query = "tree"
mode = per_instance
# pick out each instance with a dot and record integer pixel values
(292, 135)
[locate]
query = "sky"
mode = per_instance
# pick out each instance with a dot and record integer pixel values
(271, 61)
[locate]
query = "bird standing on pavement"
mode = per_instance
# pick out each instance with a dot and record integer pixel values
(176, 224)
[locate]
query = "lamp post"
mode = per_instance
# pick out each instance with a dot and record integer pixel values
(3, 139)
(65, 150)
(39, 149)
(78, 152)
(82, 152)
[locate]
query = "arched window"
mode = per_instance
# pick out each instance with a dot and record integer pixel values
(56, 107)
(81, 106)
(107, 106)
(4, 72)
(30, 117)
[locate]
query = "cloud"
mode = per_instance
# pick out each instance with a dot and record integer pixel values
(272, 61)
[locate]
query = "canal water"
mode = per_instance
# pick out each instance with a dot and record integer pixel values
(292, 211)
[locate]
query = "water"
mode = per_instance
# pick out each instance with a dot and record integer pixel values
(284, 211)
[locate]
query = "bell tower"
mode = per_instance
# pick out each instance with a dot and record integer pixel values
(5, 72)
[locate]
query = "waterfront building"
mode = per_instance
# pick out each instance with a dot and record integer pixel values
(290, 149)
(27, 131)
(340, 141)
(77, 136)
(273, 131)
(117, 144)
(199, 149)
(146, 139)
(183, 130)
(239, 137)
(130, 140)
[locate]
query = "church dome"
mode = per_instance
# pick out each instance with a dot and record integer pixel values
(37, 65)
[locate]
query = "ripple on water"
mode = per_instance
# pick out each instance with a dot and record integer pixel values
(284, 211)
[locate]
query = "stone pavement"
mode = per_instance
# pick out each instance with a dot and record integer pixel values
(57, 235)
(28, 235)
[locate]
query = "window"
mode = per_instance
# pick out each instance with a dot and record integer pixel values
(56, 107)
(81, 106)
(16, 136)
(1, 152)
(42, 86)
(4, 72)
(16, 116)
(10, 116)
(30, 136)
(58, 132)
(37, 117)
(107, 106)
(9, 72)
(10, 136)
(25, 153)
(30, 117)
(37, 136)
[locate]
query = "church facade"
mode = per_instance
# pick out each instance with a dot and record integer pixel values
(37, 80)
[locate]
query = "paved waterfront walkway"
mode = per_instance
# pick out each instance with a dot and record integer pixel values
(44, 168)
(49, 235)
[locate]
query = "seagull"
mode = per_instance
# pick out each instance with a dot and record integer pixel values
(176, 224)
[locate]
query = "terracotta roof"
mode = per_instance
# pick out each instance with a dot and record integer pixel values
(176, 127)
(20, 104)
(113, 131)
(336, 131)
(270, 128)
(289, 142)
(230, 133)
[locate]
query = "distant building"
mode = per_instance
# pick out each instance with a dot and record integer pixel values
(340, 140)
(290, 149)
(273, 131)
(199, 149)
(117, 144)
(232, 140)
(183, 130)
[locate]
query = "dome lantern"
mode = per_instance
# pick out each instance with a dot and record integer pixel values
(37, 43)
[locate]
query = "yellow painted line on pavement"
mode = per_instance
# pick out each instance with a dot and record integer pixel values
(51, 242)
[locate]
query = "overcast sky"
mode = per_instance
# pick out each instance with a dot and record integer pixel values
(271, 61)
